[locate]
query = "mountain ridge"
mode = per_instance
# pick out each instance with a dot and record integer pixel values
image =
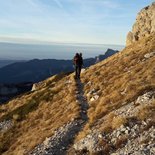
(21, 72)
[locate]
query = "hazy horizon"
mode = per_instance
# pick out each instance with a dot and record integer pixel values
(20, 51)
(57, 29)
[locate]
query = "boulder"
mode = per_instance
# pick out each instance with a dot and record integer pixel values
(34, 87)
(149, 55)
(94, 98)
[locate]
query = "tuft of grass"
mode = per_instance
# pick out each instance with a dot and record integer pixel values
(118, 121)
(120, 142)
(107, 125)
(146, 111)
(106, 147)
(7, 138)
(21, 112)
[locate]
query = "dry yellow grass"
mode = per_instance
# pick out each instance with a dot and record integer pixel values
(146, 111)
(120, 78)
(121, 141)
(36, 115)
(118, 121)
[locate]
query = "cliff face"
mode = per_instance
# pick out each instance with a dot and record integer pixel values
(144, 25)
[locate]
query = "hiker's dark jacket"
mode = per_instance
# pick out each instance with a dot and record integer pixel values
(78, 60)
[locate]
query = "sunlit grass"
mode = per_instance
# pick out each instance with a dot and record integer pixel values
(121, 79)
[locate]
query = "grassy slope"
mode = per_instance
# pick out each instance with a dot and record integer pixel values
(126, 71)
(36, 115)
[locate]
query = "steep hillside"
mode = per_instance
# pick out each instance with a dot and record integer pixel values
(120, 95)
(27, 120)
(120, 92)
(111, 110)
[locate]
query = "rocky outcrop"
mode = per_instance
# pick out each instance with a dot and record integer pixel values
(144, 25)
(122, 141)
(5, 125)
(38, 85)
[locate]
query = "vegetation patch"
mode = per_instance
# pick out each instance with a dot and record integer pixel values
(21, 112)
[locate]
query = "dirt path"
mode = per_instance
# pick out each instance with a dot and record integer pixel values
(82, 101)
(64, 137)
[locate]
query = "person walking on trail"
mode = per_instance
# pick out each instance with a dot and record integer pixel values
(76, 64)
(80, 64)
(78, 61)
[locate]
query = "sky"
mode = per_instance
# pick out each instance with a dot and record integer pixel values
(68, 21)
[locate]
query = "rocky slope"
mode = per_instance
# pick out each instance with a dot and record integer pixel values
(31, 118)
(110, 111)
(60, 142)
(144, 25)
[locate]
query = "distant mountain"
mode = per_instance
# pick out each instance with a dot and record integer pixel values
(107, 54)
(37, 70)
(7, 62)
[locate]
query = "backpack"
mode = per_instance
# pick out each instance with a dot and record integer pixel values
(76, 60)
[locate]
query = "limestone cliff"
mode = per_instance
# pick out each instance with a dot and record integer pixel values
(144, 25)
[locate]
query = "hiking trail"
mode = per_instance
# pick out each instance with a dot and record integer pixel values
(64, 137)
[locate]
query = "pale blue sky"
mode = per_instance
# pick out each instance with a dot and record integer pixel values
(77, 21)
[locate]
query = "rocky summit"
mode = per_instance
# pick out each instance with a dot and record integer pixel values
(144, 25)
(109, 111)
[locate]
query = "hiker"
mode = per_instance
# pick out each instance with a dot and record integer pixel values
(80, 64)
(77, 65)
